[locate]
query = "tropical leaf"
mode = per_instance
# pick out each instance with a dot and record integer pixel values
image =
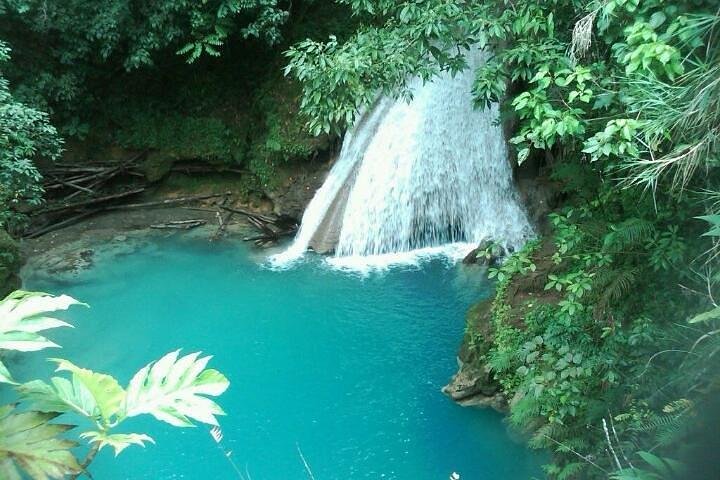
(25, 342)
(666, 468)
(172, 390)
(104, 389)
(29, 443)
(713, 314)
(23, 315)
(714, 221)
(62, 396)
(5, 376)
(118, 441)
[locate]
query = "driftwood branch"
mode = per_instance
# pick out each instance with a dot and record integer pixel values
(222, 220)
(165, 203)
(57, 226)
(179, 224)
(272, 228)
(93, 201)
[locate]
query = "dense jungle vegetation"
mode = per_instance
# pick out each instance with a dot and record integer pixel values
(613, 364)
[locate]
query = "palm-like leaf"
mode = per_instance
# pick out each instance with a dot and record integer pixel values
(62, 395)
(22, 316)
(5, 376)
(172, 390)
(118, 441)
(105, 390)
(29, 443)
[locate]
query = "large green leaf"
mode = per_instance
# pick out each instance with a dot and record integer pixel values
(29, 443)
(62, 396)
(171, 390)
(713, 314)
(105, 390)
(24, 341)
(118, 441)
(23, 315)
(5, 376)
(714, 221)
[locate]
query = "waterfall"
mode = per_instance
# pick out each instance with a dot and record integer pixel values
(430, 172)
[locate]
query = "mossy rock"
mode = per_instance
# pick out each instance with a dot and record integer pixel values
(10, 263)
(478, 331)
(157, 165)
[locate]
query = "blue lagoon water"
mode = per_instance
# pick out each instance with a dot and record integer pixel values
(346, 367)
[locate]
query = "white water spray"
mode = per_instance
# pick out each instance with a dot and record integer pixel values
(429, 173)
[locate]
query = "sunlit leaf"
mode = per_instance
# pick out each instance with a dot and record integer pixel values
(62, 396)
(118, 441)
(106, 391)
(5, 376)
(172, 390)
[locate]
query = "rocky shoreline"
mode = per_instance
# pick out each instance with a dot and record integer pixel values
(474, 383)
(71, 249)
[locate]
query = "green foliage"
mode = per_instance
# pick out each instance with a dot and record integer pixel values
(10, 262)
(136, 32)
(30, 443)
(518, 263)
(25, 135)
(186, 137)
(22, 316)
(174, 389)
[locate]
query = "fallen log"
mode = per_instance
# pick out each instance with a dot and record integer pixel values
(72, 184)
(165, 203)
(270, 227)
(94, 201)
(57, 226)
(179, 224)
(188, 169)
(264, 218)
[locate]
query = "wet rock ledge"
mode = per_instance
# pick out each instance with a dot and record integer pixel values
(473, 384)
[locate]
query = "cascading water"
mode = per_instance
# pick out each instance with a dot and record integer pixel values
(427, 173)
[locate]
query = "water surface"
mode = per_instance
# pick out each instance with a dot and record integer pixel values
(349, 368)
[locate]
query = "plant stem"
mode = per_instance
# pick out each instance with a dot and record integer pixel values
(87, 461)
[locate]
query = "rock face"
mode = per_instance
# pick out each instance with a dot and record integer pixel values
(10, 263)
(473, 384)
(487, 253)
(540, 196)
(297, 187)
(327, 235)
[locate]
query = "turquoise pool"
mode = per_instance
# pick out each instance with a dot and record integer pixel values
(346, 367)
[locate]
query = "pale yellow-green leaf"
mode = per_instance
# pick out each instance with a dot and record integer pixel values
(25, 311)
(172, 390)
(106, 391)
(23, 315)
(117, 441)
(62, 396)
(713, 314)
(5, 376)
(24, 341)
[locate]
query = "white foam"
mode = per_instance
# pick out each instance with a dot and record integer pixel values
(365, 264)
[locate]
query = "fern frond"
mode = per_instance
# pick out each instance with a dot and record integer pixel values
(571, 470)
(671, 425)
(630, 233)
(613, 285)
